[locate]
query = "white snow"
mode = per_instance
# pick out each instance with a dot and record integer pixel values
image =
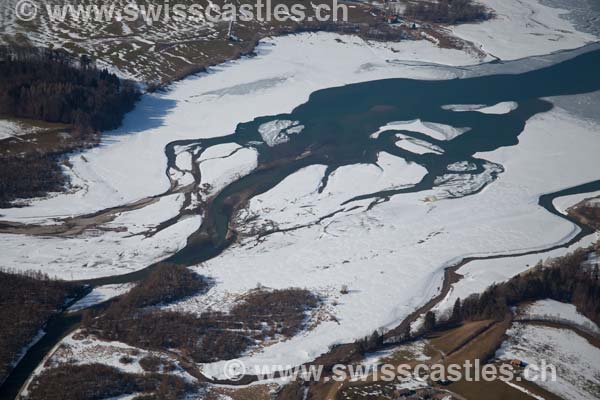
(553, 310)
(501, 108)
(296, 200)
(219, 151)
(100, 294)
(458, 185)
(217, 172)
(577, 361)
(461, 166)
(130, 163)
(522, 28)
(113, 248)
(391, 256)
(9, 129)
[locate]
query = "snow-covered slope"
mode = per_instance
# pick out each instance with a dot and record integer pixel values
(552, 310)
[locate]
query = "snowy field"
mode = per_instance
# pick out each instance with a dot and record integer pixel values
(552, 310)
(390, 256)
(112, 248)
(577, 361)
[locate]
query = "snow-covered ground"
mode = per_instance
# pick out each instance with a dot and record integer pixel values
(390, 256)
(9, 129)
(112, 248)
(553, 310)
(74, 349)
(222, 164)
(416, 146)
(131, 163)
(577, 361)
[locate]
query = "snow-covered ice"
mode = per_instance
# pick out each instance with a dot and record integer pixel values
(416, 146)
(284, 73)
(432, 129)
(218, 171)
(500, 108)
(278, 131)
(480, 274)
(522, 28)
(101, 294)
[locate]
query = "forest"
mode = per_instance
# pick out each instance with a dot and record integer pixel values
(28, 300)
(208, 336)
(51, 86)
(446, 11)
(28, 176)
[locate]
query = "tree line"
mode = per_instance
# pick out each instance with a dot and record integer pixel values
(27, 301)
(52, 86)
(446, 11)
(567, 279)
